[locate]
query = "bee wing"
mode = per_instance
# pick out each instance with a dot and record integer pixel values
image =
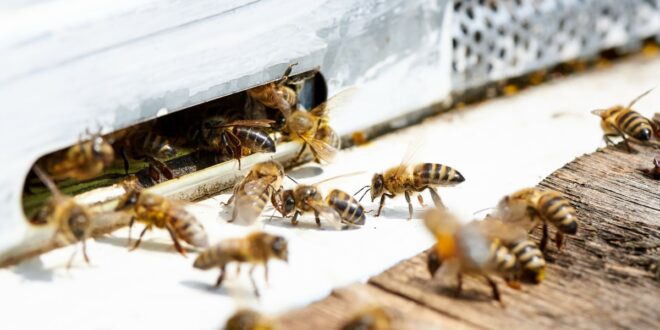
(598, 112)
(337, 101)
(246, 123)
(506, 231)
(322, 150)
(639, 97)
(328, 215)
(411, 152)
(440, 222)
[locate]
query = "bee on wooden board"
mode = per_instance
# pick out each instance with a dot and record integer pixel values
(255, 190)
(157, 211)
(249, 320)
(409, 179)
(82, 161)
(144, 142)
(256, 249)
(233, 137)
(73, 221)
(468, 250)
(530, 206)
(626, 123)
(372, 318)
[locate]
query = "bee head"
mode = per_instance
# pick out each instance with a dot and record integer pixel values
(288, 202)
(128, 200)
(376, 186)
(102, 150)
(79, 222)
(280, 248)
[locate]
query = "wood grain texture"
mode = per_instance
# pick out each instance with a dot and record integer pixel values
(606, 276)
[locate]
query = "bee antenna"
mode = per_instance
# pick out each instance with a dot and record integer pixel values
(292, 179)
(357, 192)
(484, 209)
(365, 193)
(47, 181)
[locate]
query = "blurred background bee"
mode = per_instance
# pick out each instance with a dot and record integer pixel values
(146, 142)
(255, 249)
(255, 190)
(249, 320)
(161, 212)
(530, 206)
(72, 221)
(82, 161)
(468, 250)
(626, 123)
(372, 318)
(409, 179)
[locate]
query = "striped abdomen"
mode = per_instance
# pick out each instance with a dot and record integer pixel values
(428, 174)
(187, 227)
(255, 139)
(348, 208)
(557, 209)
(234, 249)
(501, 258)
(635, 125)
(531, 263)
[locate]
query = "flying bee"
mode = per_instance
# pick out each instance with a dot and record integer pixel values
(467, 250)
(275, 94)
(373, 318)
(249, 320)
(73, 222)
(145, 143)
(304, 126)
(257, 248)
(232, 137)
(161, 212)
(348, 208)
(530, 205)
(82, 161)
(410, 179)
(255, 190)
(626, 123)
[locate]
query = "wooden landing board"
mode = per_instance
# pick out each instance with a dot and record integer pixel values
(607, 276)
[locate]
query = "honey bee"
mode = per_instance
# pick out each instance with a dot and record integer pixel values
(249, 320)
(467, 250)
(530, 264)
(257, 248)
(530, 205)
(73, 222)
(158, 211)
(373, 318)
(145, 143)
(220, 134)
(306, 199)
(410, 179)
(623, 121)
(275, 94)
(349, 209)
(255, 190)
(82, 161)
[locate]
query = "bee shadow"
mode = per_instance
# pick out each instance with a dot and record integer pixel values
(304, 223)
(146, 244)
(467, 294)
(206, 287)
(402, 213)
(305, 172)
(33, 270)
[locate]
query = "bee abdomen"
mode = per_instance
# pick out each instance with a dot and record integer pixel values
(255, 139)
(635, 125)
(528, 255)
(250, 204)
(189, 229)
(436, 174)
(503, 260)
(349, 208)
(221, 254)
(558, 210)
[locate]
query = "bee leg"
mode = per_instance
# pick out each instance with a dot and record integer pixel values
(302, 149)
(294, 219)
(161, 166)
(235, 146)
(84, 251)
(420, 199)
(608, 140)
(382, 202)
(254, 284)
(437, 201)
(73, 255)
(137, 244)
(177, 245)
(234, 214)
(559, 240)
(221, 277)
(410, 207)
(459, 285)
(130, 228)
(124, 156)
(544, 238)
(266, 273)
(318, 219)
(495, 289)
(286, 74)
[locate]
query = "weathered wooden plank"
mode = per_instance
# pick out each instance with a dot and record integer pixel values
(605, 277)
